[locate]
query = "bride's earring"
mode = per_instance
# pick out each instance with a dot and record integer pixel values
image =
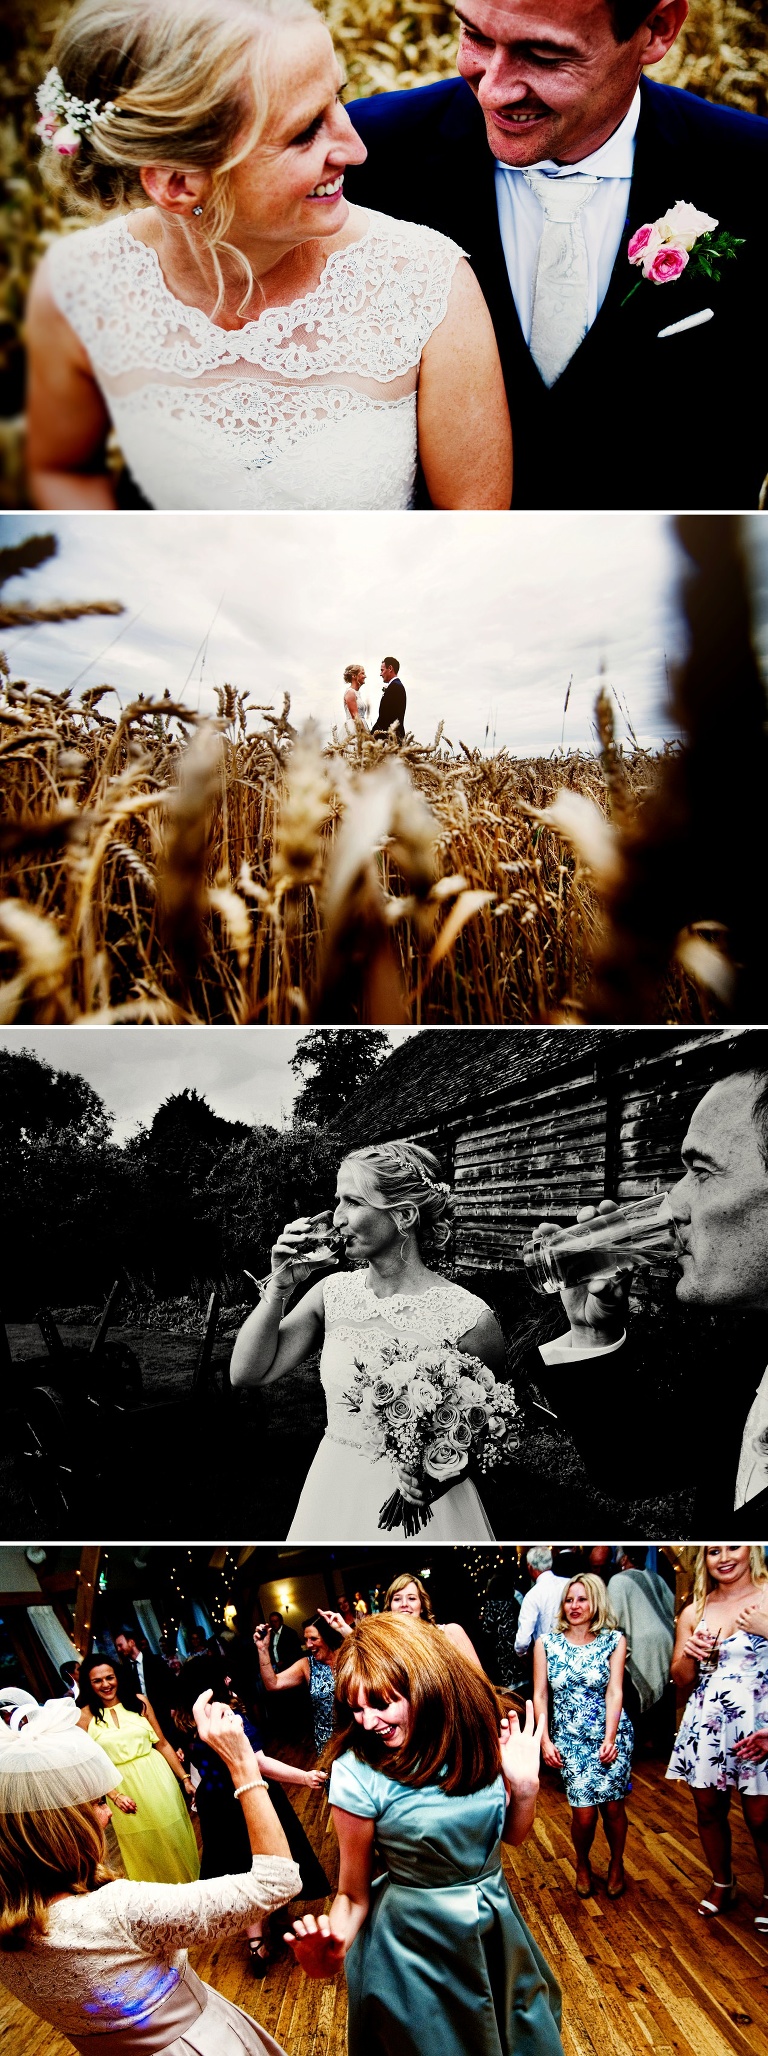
(197, 210)
(404, 1234)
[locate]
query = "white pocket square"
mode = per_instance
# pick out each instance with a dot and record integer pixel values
(691, 321)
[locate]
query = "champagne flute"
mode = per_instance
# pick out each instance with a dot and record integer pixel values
(323, 1246)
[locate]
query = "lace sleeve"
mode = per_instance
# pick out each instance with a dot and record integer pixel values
(167, 1917)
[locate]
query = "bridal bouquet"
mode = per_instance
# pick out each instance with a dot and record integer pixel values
(429, 1410)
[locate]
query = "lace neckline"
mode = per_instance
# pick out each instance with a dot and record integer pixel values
(400, 1298)
(283, 308)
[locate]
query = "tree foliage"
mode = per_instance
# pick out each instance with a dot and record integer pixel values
(36, 1101)
(338, 1061)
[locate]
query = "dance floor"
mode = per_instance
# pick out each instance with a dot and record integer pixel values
(642, 1974)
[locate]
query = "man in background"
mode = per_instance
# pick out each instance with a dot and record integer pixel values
(644, 1608)
(540, 1606)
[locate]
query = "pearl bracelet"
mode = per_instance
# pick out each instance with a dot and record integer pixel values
(253, 1785)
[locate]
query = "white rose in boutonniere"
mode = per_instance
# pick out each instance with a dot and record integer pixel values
(682, 239)
(684, 224)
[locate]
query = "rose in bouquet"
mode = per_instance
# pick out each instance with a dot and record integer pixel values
(429, 1410)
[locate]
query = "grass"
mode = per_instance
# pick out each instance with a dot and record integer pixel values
(244, 1464)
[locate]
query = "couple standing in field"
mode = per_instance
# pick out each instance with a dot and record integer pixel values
(391, 705)
(256, 342)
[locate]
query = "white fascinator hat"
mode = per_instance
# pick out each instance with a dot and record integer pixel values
(50, 1762)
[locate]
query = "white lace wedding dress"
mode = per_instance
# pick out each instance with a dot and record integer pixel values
(111, 1972)
(345, 1488)
(309, 405)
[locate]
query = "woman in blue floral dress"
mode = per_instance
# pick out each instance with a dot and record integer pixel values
(323, 1637)
(583, 1664)
(721, 1659)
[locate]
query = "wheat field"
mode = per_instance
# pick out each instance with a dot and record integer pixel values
(163, 865)
(158, 867)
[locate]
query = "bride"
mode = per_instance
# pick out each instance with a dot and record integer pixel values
(253, 340)
(391, 1209)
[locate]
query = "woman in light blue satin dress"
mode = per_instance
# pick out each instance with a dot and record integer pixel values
(429, 1776)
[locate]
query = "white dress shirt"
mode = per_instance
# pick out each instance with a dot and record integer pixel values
(752, 1474)
(521, 219)
(539, 1609)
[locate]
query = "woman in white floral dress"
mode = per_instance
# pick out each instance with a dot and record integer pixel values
(104, 1960)
(721, 1659)
(254, 341)
(391, 1206)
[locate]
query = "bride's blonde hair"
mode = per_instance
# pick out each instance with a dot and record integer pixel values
(396, 1174)
(179, 82)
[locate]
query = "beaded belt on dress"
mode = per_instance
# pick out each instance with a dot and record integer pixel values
(347, 1443)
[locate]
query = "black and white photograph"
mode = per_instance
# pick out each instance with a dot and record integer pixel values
(337, 1284)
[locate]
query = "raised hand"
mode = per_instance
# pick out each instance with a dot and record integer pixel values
(597, 1304)
(320, 1953)
(335, 1620)
(700, 1644)
(521, 1752)
(294, 1254)
(316, 1779)
(222, 1730)
(754, 1617)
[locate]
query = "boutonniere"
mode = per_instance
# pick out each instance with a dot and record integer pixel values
(681, 240)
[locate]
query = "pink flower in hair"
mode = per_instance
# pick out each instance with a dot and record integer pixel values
(66, 141)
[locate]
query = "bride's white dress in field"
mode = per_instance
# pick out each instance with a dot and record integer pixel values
(345, 1487)
(310, 405)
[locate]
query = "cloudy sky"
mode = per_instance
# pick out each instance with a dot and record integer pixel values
(242, 1072)
(489, 614)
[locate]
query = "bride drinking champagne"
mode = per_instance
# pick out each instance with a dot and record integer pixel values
(392, 1208)
(254, 341)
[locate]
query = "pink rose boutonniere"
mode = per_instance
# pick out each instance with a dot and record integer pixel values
(682, 239)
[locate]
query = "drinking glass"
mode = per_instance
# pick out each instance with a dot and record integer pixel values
(626, 1239)
(323, 1246)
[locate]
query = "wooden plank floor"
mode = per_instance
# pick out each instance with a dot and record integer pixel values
(643, 1974)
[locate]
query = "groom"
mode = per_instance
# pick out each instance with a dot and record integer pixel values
(543, 160)
(392, 702)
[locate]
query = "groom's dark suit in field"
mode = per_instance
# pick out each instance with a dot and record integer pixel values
(633, 421)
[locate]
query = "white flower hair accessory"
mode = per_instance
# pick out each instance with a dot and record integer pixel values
(407, 1162)
(51, 1762)
(63, 118)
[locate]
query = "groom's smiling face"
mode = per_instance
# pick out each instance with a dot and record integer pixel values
(551, 77)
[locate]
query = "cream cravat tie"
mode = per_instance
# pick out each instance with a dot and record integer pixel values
(561, 286)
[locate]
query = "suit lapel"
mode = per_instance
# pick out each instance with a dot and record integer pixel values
(661, 175)
(471, 211)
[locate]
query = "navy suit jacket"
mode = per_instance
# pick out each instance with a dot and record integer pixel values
(633, 421)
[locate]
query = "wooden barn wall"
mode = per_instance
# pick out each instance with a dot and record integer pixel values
(592, 1136)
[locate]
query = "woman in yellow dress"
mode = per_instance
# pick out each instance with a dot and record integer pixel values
(154, 1832)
